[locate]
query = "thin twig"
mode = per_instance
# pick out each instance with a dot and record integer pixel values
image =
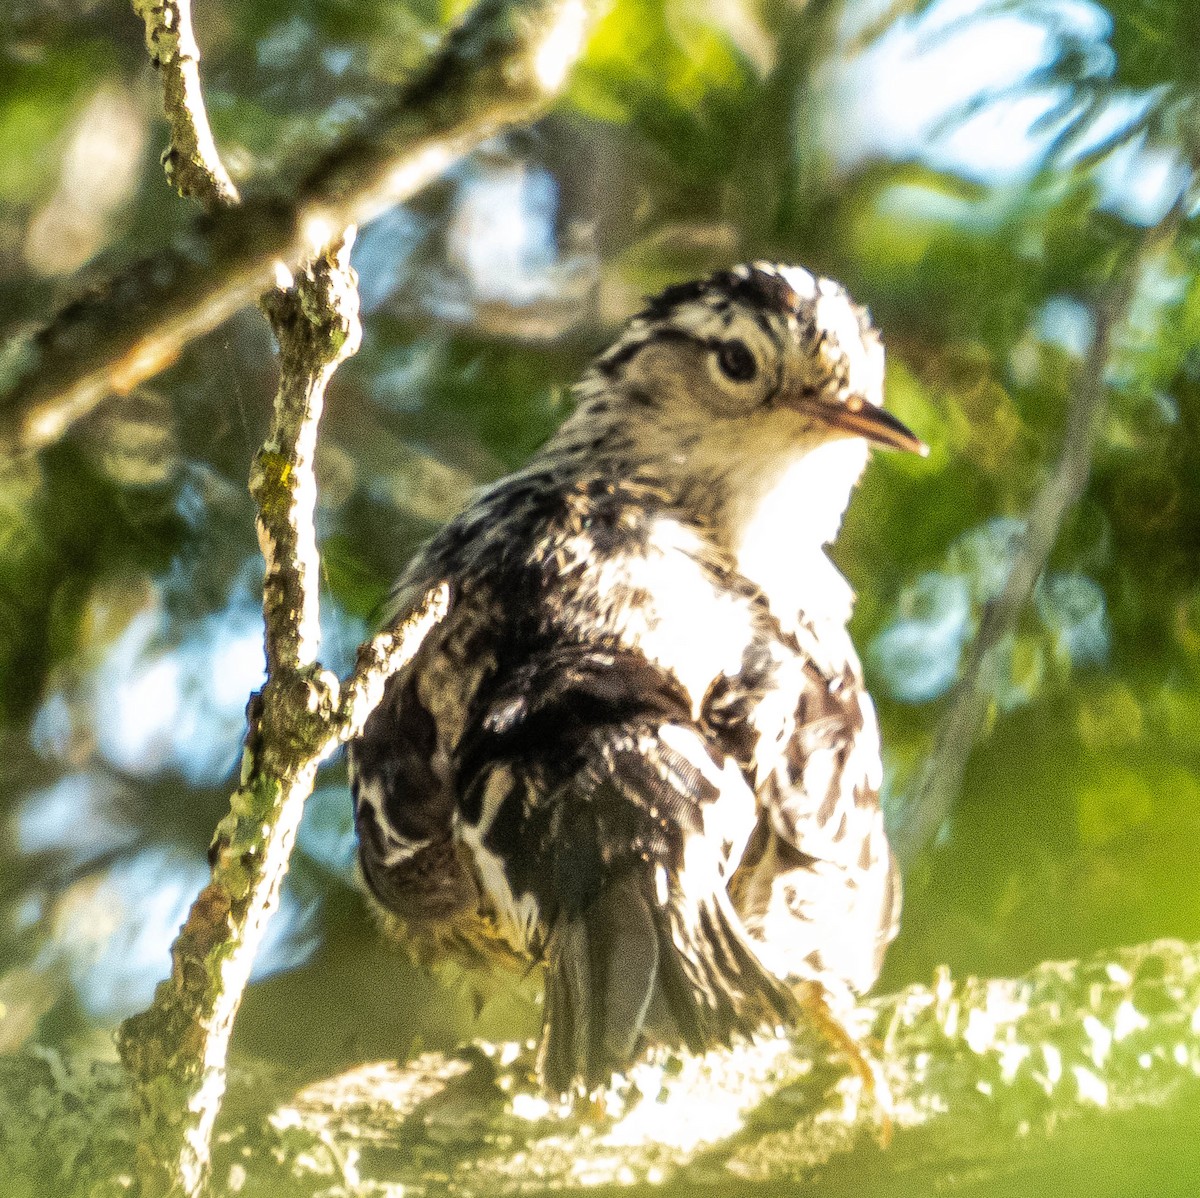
(193, 166)
(502, 66)
(385, 654)
(937, 783)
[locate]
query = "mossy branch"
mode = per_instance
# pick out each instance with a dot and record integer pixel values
(1071, 1071)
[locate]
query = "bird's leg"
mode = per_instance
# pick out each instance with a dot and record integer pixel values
(819, 1003)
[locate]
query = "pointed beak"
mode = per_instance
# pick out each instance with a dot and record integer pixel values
(861, 418)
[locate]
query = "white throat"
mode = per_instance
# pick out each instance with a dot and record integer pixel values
(776, 524)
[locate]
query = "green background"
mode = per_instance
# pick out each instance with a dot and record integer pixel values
(976, 173)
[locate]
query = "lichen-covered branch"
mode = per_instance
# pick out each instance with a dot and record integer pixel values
(316, 325)
(191, 161)
(933, 790)
(981, 1072)
(177, 1049)
(1014, 1079)
(500, 67)
(495, 67)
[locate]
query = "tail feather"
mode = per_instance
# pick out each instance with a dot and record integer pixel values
(632, 970)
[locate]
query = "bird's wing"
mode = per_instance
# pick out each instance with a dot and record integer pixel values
(405, 802)
(613, 826)
(817, 883)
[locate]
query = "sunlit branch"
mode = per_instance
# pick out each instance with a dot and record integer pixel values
(989, 1079)
(191, 160)
(500, 67)
(177, 1049)
(1009, 1082)
(387, 652)
(936, 785)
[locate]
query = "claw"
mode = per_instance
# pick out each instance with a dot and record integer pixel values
(815, 1002)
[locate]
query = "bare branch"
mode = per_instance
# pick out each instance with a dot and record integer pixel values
(934, 789)
(502, 66)
(193, 166)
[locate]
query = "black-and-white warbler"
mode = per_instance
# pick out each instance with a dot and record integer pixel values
(639, 748)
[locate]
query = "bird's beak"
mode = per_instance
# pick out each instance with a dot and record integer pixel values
(862, 418)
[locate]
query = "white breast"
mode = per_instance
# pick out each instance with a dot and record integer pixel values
(779, 521)
(659, 599)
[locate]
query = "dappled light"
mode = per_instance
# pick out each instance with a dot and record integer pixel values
(1009, 186)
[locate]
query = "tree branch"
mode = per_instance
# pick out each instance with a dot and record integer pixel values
(933, 791)
(501, 66)
(177, 1049)
(497, 66)
(992, 1079)
(981, 1072)
(193, 166)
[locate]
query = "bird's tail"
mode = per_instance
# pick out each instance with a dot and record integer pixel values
(656, 958)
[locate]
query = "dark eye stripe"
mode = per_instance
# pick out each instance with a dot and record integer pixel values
(617, 358)
(611, 364)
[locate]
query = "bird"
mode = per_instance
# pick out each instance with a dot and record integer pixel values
(638, 752)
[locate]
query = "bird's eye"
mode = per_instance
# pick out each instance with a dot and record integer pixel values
(736, 361)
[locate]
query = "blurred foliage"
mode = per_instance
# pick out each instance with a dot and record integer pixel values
(975, 172)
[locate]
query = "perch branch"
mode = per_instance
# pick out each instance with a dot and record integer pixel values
(501, 66)
(939, 779)
(994, 1081)
(191, 161)
(984, 1075)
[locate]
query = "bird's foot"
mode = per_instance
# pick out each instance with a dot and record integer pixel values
(816, 1001)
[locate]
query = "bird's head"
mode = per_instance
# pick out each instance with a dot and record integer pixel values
(753, 394)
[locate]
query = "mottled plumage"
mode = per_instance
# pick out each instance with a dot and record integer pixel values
(638, 749)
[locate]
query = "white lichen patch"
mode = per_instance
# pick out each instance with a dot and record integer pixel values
(1012, 1056)
(1092, 1089)
(1100, 1040)
(707, 1100)
(531, 1107)
(1128, 1019)
(980, 1032)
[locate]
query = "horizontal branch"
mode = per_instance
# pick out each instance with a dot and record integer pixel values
(990, 1079)
(500, 67)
